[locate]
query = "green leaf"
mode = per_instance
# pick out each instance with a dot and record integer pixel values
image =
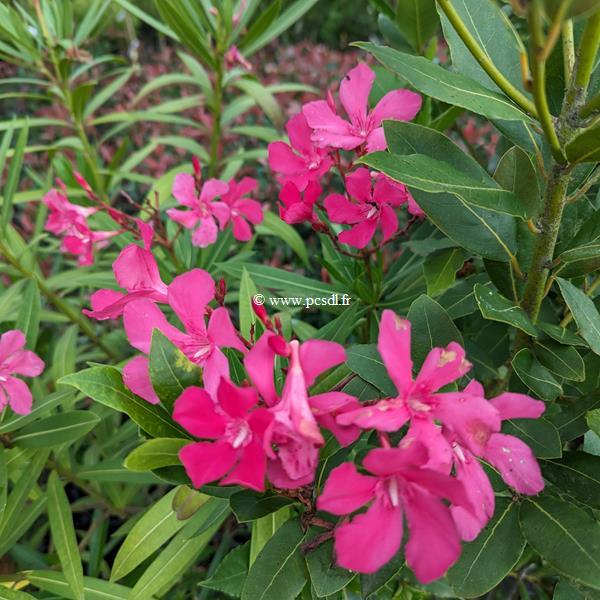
(560, 334)
(178, 556)
(539, 434)
(584, 312)
(439, 177)
(28, 319)
(264, 529)
(248, 505)
(485, 562)
(156, 526)
(417, 21)
(490, 234)
(187, 502)
(273, 225)
(156, 453)
(247, 292)
(431, 327)
(563, 361)
(278, 571)
(440, 269)
(536, 377)
(339, 329)
(105, 385)
(171, 372)
(63, 535)
(94, 589)
(565, 536)
(64, 357)
(107, 91)
(593, 420)
(578, 261)
(451, 88)
(577, 474)
(584, 147)
(10, 594)
(13, 176)
(365, 361)
(263, 97)
(230, 575)
(325, 577)
(571, 419)
(495, 307)
(63, 428)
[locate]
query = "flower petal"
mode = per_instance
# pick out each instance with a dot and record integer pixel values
(236, 401)
(195, 411)
(316, 356)
(259, 363)
(394, 346)
(206, 233)
(189, 295)
(359, 235)
(517, 406)
(186, 218)
(329, 129)
(341, 210)
(397, 105)
(204, 462)
(184, 189)
(359, 184)
(136, 377)
(19, 396)
(10, 342)
(354, 92)
(251, 468)
(386, 415)
(346, 490)
(443, 366)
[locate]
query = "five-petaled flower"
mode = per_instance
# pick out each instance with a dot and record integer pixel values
(363, 127)
(296, 206)
(15, 360)
(241, 208)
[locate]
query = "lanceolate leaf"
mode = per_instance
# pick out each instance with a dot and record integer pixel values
(28, 319)
(486, 561)
(545, 519)
(437, 82)
(539, 434)
(440, 270)
(564, 361)
(156, 453)
(585, 147)
(231, 573)
(496, 307)
(536, 377)
(584, 312)
(577, 474)
(365, 361)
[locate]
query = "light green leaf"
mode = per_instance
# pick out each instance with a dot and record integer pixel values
(156, 453)
(63, 535)
(94, 589)
(440, 269)
(273, 225)
(247, 292)
(417, 21)
(28, 319)
(63, 428)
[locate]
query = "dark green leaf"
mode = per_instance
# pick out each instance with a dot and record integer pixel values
(495, 307)
(58, 429)
(365, 361)
(562, 360)
(577, 474)
(231, 573)
(539, 434)
(326, 578)
(28, 319)
(584, 312)
(536, 377)
(560, 334)
(584, 147)
(248, 505)
(417, 20)
(440, 269)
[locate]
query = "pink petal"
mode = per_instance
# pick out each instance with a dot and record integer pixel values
(259, 363)
(282, 159)
(19, 396)
(106, 304)
(236, 401)
(146, 232)
(216, 367)
(136, 377)
(135, 269)
(260, 420)
(328, 128)
(390, 461)
(389, 192)
(10, 342)
(24, 362)
(206, 234)
(425, 431)
(195, 411)
(204, 462)
(299, 133)
(443, 366)
(371, 539)
(359, 235)
(140, 319)
(516, 463)
(481, 495)
(251, 209)
(222, 212)
(295, 464)
(394, 346)
(213, 188)
(341, 210)
(184, 190)
(187, 218)
(346, 490)
(316, 356)
(413, 207)
(431, 526)
(241, 230)
(376, 141)
(251, 468)
(517, 406)
(354, 92)
(358, 184)
(189, 295)
(388, 221)
(327, 407)
(397, 105)
(222, 332)
(386, 415)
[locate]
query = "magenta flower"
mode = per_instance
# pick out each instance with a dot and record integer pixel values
(295, 432)
(299, 162)
(136, 271)
(400, 485)
(297, 206)
(233, 56)
(188, 295)
(15, 360)
(70, 221)
(237, 456)
(369, 207)
(363, 127)
(204, 213)
(241, 209)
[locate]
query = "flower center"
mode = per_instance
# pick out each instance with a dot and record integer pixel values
(393, 492)
(479, 431)
(238, 433)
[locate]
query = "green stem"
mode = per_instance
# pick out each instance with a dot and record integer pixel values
(590, 42)
(568, 40)
(62, 306)
(538, 72)
(554, 203)
(484, 60)
(215, 136)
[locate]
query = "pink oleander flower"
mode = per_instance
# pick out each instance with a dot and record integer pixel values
(15, 360)
(237, 456)
(295, 432)
(400, 485)
(299, 162)
(204, 213)
(70, 221)
(242, 209)
(188, 295)
(369, 207)
(233, 56)
(136, 271)
(363, 127)
(455, 426)
(296, 206)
